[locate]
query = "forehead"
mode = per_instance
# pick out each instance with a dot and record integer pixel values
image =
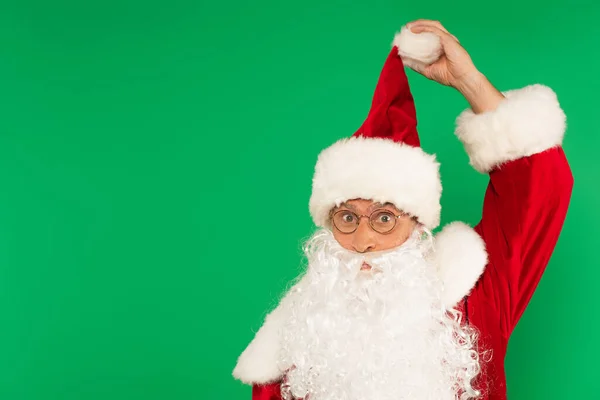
(363, 205)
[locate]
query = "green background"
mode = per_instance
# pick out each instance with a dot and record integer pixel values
(155, 167)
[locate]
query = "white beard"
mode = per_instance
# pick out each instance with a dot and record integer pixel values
(378, 335)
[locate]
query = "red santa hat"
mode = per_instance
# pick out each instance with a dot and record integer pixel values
(383, 160)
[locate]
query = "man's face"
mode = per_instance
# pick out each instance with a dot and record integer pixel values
(370, 234)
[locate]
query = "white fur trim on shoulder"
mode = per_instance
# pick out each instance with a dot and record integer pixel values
(379, 170)
(528, 121)
(417, 49)
(258, 363)
(460, 256)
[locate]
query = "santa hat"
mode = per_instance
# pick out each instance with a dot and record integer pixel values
(383, 160)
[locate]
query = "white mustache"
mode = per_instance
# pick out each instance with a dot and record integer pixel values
(379, 260)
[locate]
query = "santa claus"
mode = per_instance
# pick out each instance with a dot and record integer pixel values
(385, 310)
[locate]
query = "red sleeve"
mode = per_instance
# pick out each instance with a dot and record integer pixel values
(524, 209)
(519, 145)
(270, 391)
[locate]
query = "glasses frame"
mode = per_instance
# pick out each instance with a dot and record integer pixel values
(359, 217)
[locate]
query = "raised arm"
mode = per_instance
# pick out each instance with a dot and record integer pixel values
(516, 138)
(518, 143)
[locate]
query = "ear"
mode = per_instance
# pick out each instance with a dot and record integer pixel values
(460, 256)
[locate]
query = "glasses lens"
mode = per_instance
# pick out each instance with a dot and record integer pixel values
(345, 221)
(383, 221)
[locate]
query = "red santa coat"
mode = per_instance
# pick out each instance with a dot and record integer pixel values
(524, 209)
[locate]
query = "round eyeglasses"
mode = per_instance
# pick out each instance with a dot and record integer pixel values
(382, 221)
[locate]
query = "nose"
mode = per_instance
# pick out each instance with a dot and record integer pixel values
(363, 239)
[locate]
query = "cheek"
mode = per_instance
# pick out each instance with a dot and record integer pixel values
(344, 240)
(397, 237)
(392, 240)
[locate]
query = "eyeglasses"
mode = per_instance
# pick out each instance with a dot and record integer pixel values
(381, 221)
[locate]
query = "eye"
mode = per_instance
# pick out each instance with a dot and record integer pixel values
(384, 218)
(383, 221)
(347, 218)
(345, 221)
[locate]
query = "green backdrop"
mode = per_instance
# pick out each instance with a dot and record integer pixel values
(155, 167)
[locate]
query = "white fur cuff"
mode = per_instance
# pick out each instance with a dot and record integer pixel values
(528, 121)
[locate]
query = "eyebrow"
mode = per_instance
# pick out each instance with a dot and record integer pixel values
(375, 205)
(369, 209)
(349, 206)
(380, 205)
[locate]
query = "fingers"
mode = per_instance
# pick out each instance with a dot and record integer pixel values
(444, 35)
(428, 22)
(415, 27)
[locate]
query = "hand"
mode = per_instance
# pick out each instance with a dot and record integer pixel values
(455, 67)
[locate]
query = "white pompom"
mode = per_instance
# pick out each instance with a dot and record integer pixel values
(424, 48)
